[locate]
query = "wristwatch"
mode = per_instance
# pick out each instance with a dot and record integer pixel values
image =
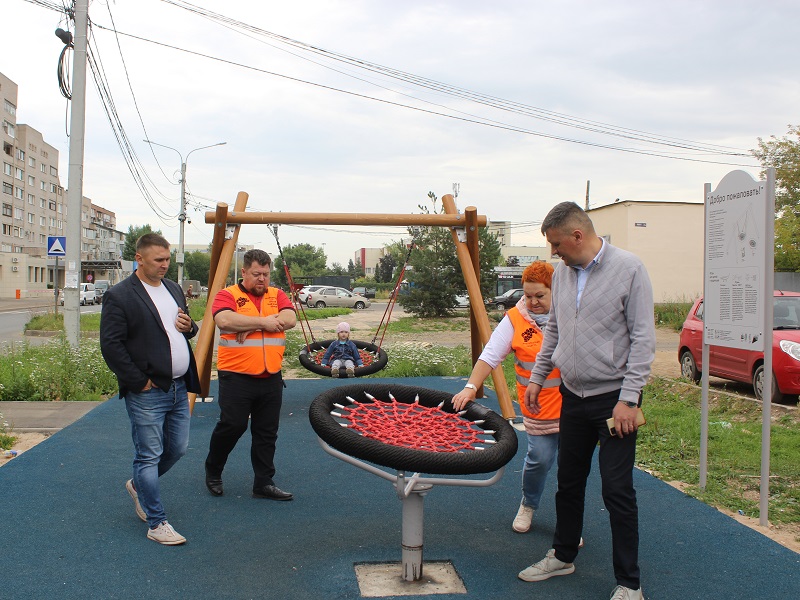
(471, 386)
(630, 404)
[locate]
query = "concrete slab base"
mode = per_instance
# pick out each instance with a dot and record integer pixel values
(377, 580)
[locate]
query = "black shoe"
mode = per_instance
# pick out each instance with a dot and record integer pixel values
(271, 492)
(214, 485)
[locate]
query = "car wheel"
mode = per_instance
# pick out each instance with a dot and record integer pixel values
(689, 367)
(320, 304)
(83, 302)
(359, 306)
(758, 385)
(500, 306)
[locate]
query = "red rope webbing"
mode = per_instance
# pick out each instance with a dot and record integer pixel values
(413, 426)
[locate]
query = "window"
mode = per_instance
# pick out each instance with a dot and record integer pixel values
(31, 180)
(30, 218)
(52, 205)
(8, 169)
(20, 154)
(43, 221)
(31, 161)
(60, 224)
(19, 193)
(18, 213)
(53, 171)
(53, 188)
(6, 229)
(8, 188)
(43, 185)
(31, 199)
(42, 239)
(52, 221)
(60, 207)
(19, 174)
(42, 203)
(9, 107)
(9, 128)
(43, 168)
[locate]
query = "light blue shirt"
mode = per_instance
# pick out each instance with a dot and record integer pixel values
(583, 273)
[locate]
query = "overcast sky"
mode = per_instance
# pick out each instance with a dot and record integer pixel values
(719, 73)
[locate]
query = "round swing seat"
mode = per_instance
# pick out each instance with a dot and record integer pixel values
(421, 437)
(373, 357)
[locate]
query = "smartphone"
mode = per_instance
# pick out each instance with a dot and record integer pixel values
(640, 420)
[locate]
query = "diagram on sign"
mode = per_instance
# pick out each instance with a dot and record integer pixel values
(744, 243)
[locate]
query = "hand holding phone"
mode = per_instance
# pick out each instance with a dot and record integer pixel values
(640, 420)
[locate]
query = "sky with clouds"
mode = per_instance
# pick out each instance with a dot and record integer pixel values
(309, 129)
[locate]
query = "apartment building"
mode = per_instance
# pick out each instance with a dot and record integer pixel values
(33, 206)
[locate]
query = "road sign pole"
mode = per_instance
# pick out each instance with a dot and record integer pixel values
(55, 288)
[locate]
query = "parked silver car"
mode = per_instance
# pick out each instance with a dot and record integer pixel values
(306, 290)
(87, 295)
(336, 296)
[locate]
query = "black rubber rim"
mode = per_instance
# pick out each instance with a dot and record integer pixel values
(379, 361)
(404, 459)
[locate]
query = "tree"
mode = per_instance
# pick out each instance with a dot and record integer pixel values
(304, 260)
(197, 265)
(436, 277)
(337, 269)
(134, 233)
(354, 269)
(784, 155)
(384, 273)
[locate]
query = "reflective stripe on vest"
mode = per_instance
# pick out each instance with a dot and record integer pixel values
(526, 344)
(261, 351)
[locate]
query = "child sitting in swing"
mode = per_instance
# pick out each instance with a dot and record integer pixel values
(342, 352)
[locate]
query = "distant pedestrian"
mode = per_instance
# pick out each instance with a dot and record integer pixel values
(189, 293)
(155, 367)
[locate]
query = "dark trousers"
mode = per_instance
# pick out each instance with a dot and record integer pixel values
(583, 424)
(240, 397)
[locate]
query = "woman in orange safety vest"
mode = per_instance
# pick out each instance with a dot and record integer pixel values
(521, 331)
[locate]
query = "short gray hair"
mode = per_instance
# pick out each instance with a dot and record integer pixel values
(567, 215)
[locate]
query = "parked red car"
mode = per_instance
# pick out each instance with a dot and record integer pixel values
(747, 365)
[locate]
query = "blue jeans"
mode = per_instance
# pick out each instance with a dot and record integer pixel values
(160, 432)
(542, 451)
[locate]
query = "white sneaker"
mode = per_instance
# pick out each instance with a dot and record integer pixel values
(522, 522)
(135, 496)
(546, 568)
(165, 534)
(622, 593)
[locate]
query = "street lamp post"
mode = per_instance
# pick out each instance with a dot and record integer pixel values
(179, 258)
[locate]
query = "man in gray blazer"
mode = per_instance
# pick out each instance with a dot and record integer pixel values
(144, 337)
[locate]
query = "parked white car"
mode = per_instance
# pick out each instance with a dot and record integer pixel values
(88, 295)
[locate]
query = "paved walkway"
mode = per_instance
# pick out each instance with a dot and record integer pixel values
(12, 304)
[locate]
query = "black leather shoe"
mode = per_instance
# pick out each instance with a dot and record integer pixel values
(214, 485)
(271, 492)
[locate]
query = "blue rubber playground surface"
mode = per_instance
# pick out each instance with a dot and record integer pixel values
(68, 529)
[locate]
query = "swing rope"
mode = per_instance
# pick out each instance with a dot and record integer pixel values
(304, 322)
(387, 313)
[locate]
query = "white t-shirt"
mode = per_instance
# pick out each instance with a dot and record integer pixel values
(168, 311)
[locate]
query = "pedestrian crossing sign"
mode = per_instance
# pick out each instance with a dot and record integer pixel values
(56, 245)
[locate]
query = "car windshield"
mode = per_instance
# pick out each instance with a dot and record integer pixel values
(786, 313)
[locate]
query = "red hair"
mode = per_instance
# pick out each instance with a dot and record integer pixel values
(538, 271)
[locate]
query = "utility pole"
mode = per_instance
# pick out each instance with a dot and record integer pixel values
(587, 195)
(77, 130)
(179, 255)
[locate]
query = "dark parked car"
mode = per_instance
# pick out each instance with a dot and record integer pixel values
(365, 291)
(507, 300)
(748, 365)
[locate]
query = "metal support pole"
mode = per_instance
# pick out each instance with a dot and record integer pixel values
(413, 518)
(182, 220)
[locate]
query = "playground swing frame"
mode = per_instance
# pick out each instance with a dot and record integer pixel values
(464, 231)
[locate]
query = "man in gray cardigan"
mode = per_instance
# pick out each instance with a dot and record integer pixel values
(601, 335)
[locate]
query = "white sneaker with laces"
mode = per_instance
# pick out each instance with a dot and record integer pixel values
(622, 593)
(135, 496)
(546, 568)
(522, 522)
(165, 534)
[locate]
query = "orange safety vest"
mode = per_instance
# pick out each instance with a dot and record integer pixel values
(526, 344)
(261, 351)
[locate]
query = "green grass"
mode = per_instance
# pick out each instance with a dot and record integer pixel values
(669, 446)
(418, 325)
(54, 371)
(672, 314)
(55, 322)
